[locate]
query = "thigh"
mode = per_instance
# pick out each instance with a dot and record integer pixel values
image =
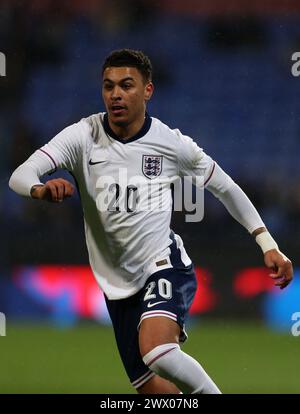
(125, 316)
(166, 299)
(157, 331)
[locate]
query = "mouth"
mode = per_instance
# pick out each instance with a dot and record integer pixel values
(118, 109)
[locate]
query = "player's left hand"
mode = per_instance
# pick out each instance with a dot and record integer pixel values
(280, 264)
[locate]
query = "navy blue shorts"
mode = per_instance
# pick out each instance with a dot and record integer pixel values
(168, 293)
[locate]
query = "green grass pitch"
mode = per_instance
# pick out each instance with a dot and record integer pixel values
(240, 357)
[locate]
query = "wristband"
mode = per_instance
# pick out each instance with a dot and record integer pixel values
(266, 241)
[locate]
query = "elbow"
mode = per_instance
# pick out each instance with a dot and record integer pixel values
(15, 182)
(22, 180)
(11, 182)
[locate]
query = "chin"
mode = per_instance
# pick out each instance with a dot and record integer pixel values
(119, 121)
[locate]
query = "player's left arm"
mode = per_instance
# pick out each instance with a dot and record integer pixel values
(241, 208)
(193, 161)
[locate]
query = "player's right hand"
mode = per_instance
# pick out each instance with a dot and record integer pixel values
(55, 190)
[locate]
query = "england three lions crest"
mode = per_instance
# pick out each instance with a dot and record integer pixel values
(152, 165)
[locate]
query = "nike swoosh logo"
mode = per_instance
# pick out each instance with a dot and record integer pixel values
(149, 305)
(94, 163)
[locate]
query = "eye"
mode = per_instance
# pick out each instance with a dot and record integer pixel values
(127, 85)
(107, 86)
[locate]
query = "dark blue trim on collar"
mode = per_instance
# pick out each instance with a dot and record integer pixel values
(143, 131)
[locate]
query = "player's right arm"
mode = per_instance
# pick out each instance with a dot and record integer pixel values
(64, 151)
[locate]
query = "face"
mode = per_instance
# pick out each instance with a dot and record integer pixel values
(125, 94)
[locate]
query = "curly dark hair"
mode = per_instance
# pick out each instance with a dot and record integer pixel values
(130, 58)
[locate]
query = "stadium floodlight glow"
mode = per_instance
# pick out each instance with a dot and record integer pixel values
(2, 324)
(2, 64)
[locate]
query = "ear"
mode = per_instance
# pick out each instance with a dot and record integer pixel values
(149, 88)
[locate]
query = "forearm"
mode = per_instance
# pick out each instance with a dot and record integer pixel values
(29, 174)
(23, 179)
(259, 231)
(240, 207)
(242, 210)
(26, 181)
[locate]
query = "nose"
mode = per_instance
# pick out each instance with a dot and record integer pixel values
(116, 93)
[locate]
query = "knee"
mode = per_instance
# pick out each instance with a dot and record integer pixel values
(147, 346)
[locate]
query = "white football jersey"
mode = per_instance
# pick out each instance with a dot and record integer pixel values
(125, 194)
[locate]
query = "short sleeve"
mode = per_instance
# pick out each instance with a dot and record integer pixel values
(65, 149)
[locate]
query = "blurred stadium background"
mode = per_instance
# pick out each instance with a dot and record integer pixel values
(222, 71)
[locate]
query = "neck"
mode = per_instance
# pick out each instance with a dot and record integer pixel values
(128, 130)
